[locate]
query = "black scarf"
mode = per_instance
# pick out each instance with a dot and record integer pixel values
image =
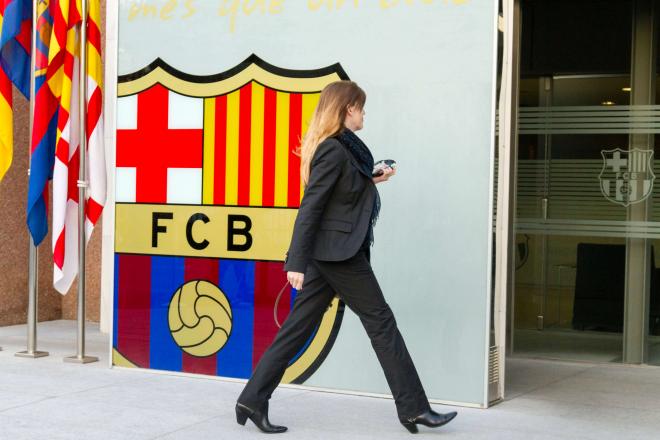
(365, 161)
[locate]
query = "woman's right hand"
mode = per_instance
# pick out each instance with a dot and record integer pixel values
(387, 173)
(295, 279)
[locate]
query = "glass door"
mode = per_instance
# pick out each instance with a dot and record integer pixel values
(585, 225)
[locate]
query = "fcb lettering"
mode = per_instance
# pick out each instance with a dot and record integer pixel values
(247, 233)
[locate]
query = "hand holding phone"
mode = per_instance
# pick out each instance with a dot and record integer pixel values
(379, 167)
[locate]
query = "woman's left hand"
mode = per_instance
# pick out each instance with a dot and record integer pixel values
(387, 173)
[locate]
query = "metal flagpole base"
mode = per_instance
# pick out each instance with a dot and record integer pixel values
(33, 354)
(81, 359)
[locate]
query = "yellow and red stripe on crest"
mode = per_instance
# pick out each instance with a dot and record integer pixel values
(250, 136)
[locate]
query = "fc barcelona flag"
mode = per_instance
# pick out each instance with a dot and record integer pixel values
(15, 28)
(207, 190)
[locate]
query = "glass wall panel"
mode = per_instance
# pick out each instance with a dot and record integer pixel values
(570, 237)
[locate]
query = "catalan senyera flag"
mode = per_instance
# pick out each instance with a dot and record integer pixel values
(48, 62)
(208, 187)
(67, 154)
(6, 124)
(15, 36)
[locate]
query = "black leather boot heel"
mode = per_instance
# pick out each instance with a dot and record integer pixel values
(429, 418)
(410, 426)
(259, 418)
(241, 415)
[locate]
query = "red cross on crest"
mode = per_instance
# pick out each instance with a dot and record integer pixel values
(153, 146)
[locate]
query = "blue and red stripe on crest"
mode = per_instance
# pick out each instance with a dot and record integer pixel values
(144, 286)
(134, 308)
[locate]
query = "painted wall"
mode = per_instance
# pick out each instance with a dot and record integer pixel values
(427, 68)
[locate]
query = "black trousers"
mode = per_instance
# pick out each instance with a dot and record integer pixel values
(355, 283)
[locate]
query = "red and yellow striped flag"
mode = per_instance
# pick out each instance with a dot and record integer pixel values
(6, 124)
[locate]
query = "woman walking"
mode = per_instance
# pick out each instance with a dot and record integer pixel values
(329, 254)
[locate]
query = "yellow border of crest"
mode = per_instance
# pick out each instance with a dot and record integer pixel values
(299, 367)
(197, 87)
(307, 359)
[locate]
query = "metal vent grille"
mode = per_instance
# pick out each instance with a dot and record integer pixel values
(493, 364)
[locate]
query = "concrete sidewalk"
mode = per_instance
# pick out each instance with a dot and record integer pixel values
(48, 399)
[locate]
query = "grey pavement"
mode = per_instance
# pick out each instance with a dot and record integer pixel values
(49, 399)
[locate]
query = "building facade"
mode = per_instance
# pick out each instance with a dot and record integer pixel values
(521, 221)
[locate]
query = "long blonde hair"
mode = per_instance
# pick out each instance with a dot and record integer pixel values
(328, 119)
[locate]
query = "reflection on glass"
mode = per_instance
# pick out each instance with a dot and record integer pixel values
(569, 298)
(569, 282)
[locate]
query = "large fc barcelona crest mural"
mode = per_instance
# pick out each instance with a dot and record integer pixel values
(207, 190)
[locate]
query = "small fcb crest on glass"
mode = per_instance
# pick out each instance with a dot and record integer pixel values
(627, 175)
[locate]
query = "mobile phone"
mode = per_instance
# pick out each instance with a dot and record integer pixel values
(379, 167)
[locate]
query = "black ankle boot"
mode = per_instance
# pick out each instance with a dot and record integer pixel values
(258, 417)
(429, 418)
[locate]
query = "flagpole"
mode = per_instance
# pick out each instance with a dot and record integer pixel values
(80, 357)
(33, 277)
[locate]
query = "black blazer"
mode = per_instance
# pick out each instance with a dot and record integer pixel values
(335, 211)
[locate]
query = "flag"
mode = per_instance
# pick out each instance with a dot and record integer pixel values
(15, 29)
(67, 155)
(47, 89)
(96, 172)
(6, 124)
(67, 159)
